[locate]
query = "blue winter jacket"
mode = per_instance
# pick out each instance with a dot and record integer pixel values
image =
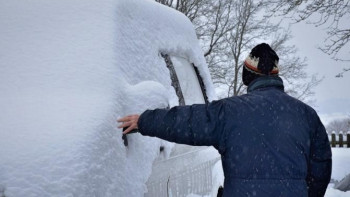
(270, 143)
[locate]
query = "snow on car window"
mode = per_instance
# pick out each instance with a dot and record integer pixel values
(188, 79)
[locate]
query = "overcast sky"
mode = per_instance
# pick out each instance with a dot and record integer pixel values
(333, 94)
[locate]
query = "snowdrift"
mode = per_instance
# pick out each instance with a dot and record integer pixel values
(68, 70)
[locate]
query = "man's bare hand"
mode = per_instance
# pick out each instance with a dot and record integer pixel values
(130, 122)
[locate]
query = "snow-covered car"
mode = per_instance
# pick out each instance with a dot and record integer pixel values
(68, 70)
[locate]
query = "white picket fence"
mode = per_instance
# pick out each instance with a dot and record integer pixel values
(190, 173)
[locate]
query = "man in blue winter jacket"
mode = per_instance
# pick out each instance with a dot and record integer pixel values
(271, 144)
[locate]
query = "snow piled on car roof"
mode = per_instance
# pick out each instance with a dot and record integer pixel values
(146, 29)
(68, 70)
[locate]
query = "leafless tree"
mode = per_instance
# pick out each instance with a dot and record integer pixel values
(211, 19)
(341, 74)
(229, 29)
(228, 61)
(332, 13)
(191, 8)
(292, 69)
(339, 125)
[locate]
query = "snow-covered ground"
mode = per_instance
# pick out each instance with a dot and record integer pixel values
(341, 163)
(331, 192)
(340, 168)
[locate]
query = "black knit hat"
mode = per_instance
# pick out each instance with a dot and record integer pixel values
(261, 61)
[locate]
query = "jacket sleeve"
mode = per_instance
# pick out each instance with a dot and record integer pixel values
(320, 163)
(199, 124)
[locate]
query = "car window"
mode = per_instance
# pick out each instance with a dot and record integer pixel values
(186, 80)
(189, 80)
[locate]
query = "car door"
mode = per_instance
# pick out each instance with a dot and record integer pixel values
(188, 169)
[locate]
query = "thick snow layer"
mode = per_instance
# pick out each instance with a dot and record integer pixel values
(68, 70)
(340, 164)
(336, 193)
(340, 169)
(147, 29)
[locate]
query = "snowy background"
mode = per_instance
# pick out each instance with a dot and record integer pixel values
(68, 70)
(332, 95)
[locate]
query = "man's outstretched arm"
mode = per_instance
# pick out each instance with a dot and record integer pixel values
(201, 124)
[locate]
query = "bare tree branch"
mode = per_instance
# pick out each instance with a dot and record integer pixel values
(334, 14)
(229, 29)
